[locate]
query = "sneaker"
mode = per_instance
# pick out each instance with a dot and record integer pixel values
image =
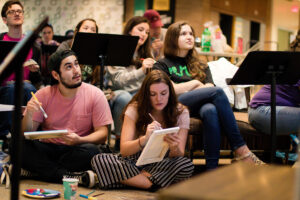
(87, 178)
(5, 178)
(252, 158)
(23, 173)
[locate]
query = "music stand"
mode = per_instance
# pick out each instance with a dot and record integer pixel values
(46, 50)
(104, 49)
(61, 38)
(6, 47)
(14, 62)
(269, 68)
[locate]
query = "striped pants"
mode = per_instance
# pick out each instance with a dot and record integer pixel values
(113, 168)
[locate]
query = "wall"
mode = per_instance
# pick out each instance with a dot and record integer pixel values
(65, 14)
(196, 12)
(283, 18)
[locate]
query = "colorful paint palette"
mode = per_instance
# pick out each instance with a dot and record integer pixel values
(40, 193)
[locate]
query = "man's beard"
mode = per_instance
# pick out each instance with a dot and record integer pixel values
(68, 85)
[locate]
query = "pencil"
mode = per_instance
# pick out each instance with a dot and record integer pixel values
(151, 117)
(41, 108)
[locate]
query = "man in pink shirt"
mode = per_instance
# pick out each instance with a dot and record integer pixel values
(70, 104)
(13, 16)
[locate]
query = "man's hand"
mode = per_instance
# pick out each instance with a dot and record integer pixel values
(71, 139)
(32, 106)
(32, 65)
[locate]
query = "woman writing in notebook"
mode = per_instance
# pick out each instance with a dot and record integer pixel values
(155, 100)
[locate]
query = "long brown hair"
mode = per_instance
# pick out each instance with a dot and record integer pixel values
(144, 51)
(95, 78)
(171, 49)
(142, 99)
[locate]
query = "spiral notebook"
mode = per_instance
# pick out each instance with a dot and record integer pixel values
(155, 149)
(34, 135)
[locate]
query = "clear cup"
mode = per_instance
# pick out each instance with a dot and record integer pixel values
(70, 188)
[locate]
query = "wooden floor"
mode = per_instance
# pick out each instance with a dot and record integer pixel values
(108, 194)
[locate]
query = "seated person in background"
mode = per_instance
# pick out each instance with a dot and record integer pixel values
(47, 35)
(47, 39)
(295, 45)
(126, 81)
(80, 108)
(157, 33)
(13, 16)
(90, 74)
(193, 84)
(69, 33)
(287, 105)
(287, 109)
(158, 98)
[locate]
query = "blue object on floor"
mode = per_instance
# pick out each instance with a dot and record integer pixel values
(292, 156)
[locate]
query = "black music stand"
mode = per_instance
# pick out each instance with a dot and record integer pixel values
(46, 50)
(14, 62)
(269, 67)
(49, 49)
(104, 49)
(61, 38)
(6, 47)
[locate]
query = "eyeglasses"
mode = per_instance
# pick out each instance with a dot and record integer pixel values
(13, 12)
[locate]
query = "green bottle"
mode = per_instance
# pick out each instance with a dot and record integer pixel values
(206, 40)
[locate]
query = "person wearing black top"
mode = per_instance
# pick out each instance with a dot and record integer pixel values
(193, 84)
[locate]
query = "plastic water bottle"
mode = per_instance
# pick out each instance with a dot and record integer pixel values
(206, 40)
(216, 43)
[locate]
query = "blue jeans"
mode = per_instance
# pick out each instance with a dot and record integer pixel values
(7, 97)
(118, 104)
(212, 107)
(287, 119)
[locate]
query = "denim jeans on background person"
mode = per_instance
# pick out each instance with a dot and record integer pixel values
(287, 119)
(211, 105)
(7, 97)
(118, 104)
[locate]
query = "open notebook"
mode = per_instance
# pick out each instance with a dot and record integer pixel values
(156, 148)
(44, 134)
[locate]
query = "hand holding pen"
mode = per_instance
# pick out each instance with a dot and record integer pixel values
(40, 107)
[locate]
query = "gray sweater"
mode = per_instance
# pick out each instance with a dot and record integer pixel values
(125, 78)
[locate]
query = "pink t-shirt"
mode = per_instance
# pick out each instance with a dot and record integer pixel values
(26, 69)
(89, 109)
(183, 120)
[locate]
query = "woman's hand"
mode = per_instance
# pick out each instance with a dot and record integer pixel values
(173, 140)
(150, 128)
(205, 85)
(147, 64)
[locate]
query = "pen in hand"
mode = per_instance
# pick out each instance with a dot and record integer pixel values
(153, 118)
(41, 108)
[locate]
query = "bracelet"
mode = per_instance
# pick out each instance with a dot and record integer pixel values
(140, 143)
